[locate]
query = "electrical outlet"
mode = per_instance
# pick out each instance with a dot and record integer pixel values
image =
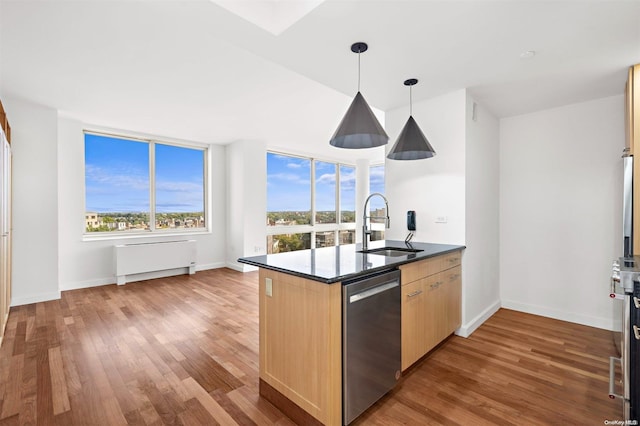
(268, 287)
(441, 219)
(257, 249)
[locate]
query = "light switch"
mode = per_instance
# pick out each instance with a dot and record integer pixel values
(268, 287)
(441, 219)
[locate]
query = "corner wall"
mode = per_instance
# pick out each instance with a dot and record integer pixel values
(560, 210)
(246, 202)
(432, 187)
(35, 202)
(455, 194)
(480, 268)
(91, 263)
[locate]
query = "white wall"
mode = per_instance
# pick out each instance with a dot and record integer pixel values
(560, 209)
(246, 201)
(90, 263)
(480, 269)
(35, 203)
(432, 187)
(461, 184)
(50, 225)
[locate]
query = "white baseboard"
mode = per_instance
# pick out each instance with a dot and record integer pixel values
(207, 266)
(241, 267)
(591, 321)
(467, 329)
(26, 300)
(77, 285)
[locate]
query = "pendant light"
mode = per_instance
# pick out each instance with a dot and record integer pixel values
(359, 128)
(412, 144)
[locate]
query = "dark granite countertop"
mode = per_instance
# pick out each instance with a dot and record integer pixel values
(339, 263)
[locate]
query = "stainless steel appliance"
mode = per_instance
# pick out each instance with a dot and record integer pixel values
(370, 340)
(625, 291)
(627, 241)
(625, 287)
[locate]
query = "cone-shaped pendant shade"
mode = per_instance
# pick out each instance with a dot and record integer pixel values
(412, 144)
(359, 128)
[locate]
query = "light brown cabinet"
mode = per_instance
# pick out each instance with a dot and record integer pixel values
(632, 141)
(628, 113)
(431, 304)
(414, 321)
(301, 333)
(300, 345)
(5, 221)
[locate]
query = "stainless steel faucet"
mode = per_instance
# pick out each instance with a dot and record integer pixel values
(366, 231)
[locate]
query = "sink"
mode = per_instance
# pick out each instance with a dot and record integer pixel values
(391, 251)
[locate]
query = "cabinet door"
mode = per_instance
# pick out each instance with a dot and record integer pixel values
(443, 305)
(5, 235)
(3, 251)
(435, 310)
(413, 323)
(453, 298)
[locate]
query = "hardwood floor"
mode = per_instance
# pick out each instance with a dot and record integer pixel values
(184, 350)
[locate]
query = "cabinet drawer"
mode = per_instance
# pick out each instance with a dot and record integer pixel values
(453, 274)
(452, 259)
(424, 268)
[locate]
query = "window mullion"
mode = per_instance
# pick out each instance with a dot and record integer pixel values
(338, 200)
(313, 203)
(152, 186)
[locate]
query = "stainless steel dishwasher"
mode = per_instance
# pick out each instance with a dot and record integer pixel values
(370, 340)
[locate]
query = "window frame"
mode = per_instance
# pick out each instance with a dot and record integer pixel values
(151, 141)
(375, 226)
(314, 227)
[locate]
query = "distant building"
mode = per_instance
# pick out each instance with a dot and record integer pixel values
(91, 220)
(325, 239)
(347, 237)
(272, 244)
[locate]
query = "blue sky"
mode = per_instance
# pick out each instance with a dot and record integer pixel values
(289, 184)
(117, 176)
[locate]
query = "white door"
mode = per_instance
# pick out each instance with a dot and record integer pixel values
(5, 231)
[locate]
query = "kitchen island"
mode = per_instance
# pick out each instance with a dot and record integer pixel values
(301, 316)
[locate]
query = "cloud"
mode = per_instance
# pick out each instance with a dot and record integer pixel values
(348, 180)
(327, 178)
(124, 188)
(321, 165)
(289, 178)
(170, 186)
(376, 177)
(123, 177)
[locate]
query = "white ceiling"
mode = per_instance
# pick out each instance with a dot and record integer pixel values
(195, 70)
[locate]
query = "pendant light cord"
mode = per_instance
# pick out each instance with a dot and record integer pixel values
(358, 70)
(410, 101)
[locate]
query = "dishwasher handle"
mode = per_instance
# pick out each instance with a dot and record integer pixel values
(372, 291)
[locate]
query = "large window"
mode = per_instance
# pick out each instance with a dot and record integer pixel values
(142, 185)
(310, 203)
(347, 194)
(288, 190)
(325, 189)
(377, 207)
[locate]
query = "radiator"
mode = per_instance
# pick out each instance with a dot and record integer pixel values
(151, 257)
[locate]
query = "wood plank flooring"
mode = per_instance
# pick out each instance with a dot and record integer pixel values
(184, 351)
